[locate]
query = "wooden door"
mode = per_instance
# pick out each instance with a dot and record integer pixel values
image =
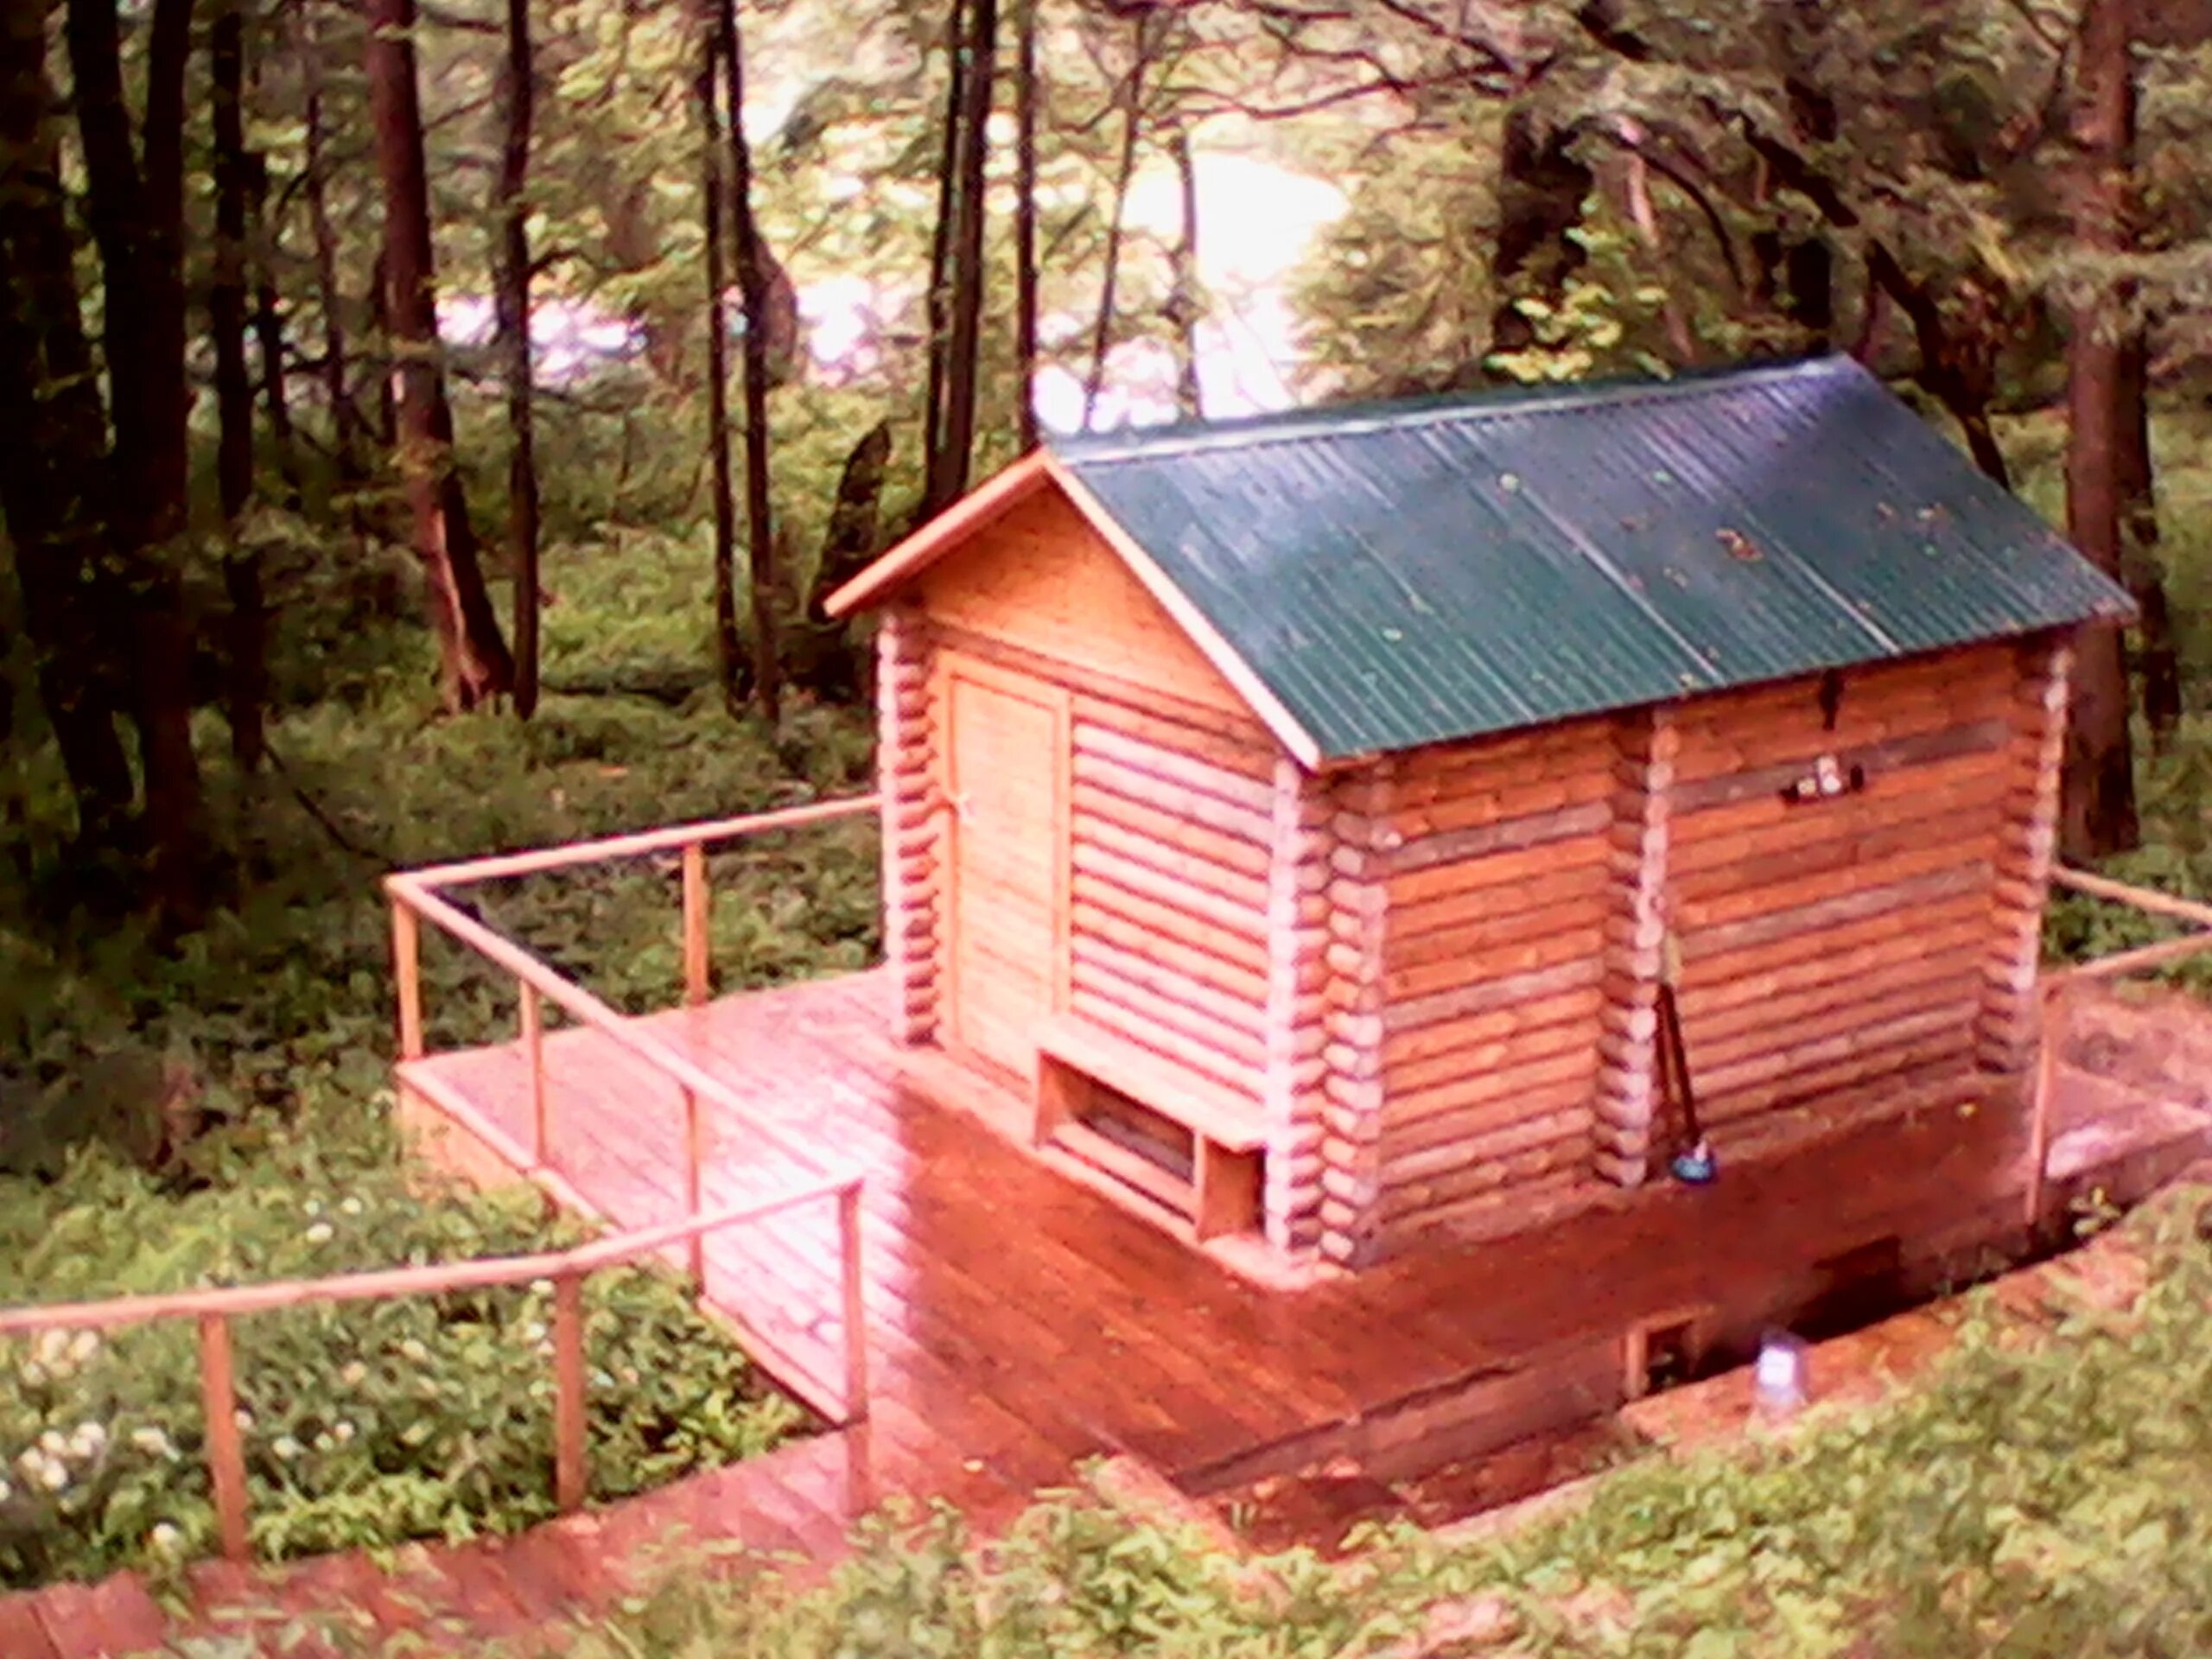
(1007, 780)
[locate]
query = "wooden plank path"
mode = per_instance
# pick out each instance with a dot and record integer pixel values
(1020, 1322)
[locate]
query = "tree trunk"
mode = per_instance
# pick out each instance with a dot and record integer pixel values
(939, 298)
(1541, 185)
(54, 484)
(1027, 91)
(519, 90)
(269, 338)
(246, 635)
(2160, 664)
(949, 466)
(135, 202)
(2098, 815)
(1101, 333)
(337, 384)
(729, 657)
(1183, 301)
(753, 294)
(474, 663)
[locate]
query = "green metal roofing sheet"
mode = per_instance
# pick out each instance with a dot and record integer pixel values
(1411, 573)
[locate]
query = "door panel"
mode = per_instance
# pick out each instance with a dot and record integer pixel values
(1005, 780)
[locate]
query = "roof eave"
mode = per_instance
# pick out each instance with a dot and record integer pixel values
(896, 568)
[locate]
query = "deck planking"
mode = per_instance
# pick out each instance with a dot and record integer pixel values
(1017, 1317)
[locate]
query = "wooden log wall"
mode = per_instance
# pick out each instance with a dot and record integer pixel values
(1829, 942)
(907, 770)
(1486, 869)
(1645, 745)
(1171, 830)
(1353, 1020)
(2007, 1034)
(1297, 1012)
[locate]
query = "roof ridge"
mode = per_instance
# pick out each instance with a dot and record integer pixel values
(1296, 425)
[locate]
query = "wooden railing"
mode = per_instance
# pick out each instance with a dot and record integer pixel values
(418, 897)
(214, 1310)
(2057, 983)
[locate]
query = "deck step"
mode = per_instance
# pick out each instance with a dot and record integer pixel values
(1126, 1167)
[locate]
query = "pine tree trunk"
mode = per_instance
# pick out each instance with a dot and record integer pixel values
(474, 663)
(269, 338)
(729, 657)
(950, 466)
(752, 287)
(135, 201)
(1184, 300)
(246, 632)
(938, 297)
(2098, 815)
(519, 97)
(1026, 96)
(1101, 333)
(54, 484)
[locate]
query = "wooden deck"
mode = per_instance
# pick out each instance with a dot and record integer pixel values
(1020, 1321)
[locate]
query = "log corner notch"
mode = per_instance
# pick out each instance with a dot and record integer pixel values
(1625, 1106)
(1298, 1007)
(1352, 1080)
(2005, 1034)
(906, 760)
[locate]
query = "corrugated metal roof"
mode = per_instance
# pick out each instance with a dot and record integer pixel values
(1410, 573)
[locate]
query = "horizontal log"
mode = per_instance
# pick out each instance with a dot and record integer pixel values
(1243, 1013)
(1128, 1013)
(1507, 961)
(1719, 841)
(1176, 761)
(1877, 761)
(1511, 1089)
(1834, 1041)
(1752, 743)
(1177, 1013)
(1874, 693)
(1097, 811)
(1167, 906)
(1096, 777)
(1169, 954)
(1474, 938)
(1198, 885)
(1517, 1172)
(1797, 893)
(1577, 1033)
(1496, 871)
(1836, 1024)
(1864, 941)
(1830, 867)
(1589, 818)
(1582, 883)
(1488, 803)
(1411, 1013)
(1416, 1153)
(1198, 735)
(1855, 904)
(1782, 1008)
(1817, 977)
(1893, 1070)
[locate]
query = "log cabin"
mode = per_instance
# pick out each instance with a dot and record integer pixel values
(1312, 815)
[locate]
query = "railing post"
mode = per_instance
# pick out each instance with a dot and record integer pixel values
(570, 1478)
(694, 1157)
(225, 1452)
(696, 900)
(407, 974)
(533, 1045)
(2051, 1035)
(849, 1251)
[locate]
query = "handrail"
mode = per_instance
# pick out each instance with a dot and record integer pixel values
(670, 838)
(2054, 987)
(503, 952)
(215, 1308)
(417, 896)
(431, 1279)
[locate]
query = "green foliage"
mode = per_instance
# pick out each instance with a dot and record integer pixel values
(366, 1424)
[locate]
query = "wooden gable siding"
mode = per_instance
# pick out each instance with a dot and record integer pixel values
(1485, 865)
(1828, 943)
(1041, 579)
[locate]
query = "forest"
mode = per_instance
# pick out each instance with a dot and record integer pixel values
(430, 426)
